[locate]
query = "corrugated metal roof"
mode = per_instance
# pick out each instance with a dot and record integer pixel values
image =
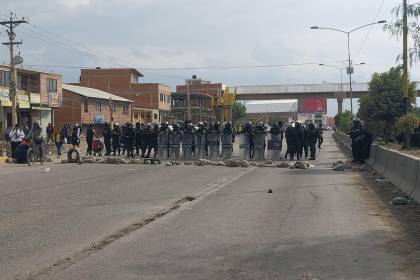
(93, 93)
(283, 106)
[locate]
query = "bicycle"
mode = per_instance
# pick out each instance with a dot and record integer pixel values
(37, 152)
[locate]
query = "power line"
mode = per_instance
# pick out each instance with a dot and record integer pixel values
(194, 68)
(370, 29)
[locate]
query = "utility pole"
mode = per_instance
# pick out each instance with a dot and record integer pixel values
(11, 24)
(405, 58)
(189, 100)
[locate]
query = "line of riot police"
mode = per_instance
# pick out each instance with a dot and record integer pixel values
(188, 142)
(166, 142)
(299, 139)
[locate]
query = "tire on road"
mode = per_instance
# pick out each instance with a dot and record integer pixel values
(73, 156)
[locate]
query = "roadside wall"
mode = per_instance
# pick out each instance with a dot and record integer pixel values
(400, 169)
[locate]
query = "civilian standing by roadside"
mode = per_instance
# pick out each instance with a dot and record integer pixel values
(50, 133)
(16, 136)
(89, 139)
(58, 140)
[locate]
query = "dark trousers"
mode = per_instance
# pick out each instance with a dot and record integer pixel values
(312, 148)
(14, 145)
(129, 148)
(149, 150)
(89, 146)
(58, 146)
(108, 147)
(116, 148)
(306, 148)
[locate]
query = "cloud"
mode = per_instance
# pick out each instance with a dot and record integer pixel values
(74, 4)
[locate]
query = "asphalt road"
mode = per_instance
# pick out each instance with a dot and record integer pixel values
(315, 225)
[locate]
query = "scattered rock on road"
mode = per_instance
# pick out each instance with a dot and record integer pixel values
(339, 167)
(168, 164)
(188, 163)
(282, 165)
(400, 201)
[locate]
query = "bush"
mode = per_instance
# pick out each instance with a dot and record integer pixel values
(406, 125)
(343, 121)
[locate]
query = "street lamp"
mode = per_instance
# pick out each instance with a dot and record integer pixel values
(341, 71)
(349, 68)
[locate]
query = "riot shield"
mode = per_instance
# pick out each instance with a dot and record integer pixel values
(175, 139)
(188, 143)
(274, 146)
(245, 146)
(227, 146)
(163, 142)
(259, 145)
(200, 152)
(213, 138)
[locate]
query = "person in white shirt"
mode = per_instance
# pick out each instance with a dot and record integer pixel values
(16, 136)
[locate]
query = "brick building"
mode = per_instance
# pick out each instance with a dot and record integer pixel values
(151, 101)
(201, 108)
(37, 93)
(84, 105)
(200, 86)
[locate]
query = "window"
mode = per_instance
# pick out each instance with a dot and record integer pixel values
(22, 82)
(114, 107)
(51, 85)
(98, 107)
(85, 105)
(155, 116)
(161, 97)
(4, 78)
(142, 116)
(125, 109)
(136, 116)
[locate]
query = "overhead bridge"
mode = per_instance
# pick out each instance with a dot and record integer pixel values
(329, 91)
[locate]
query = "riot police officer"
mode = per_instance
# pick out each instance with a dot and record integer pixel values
(138, 138)
(175, 139)
(200, 145)
(188, 141)
(246, 143)
(313, 135)
(152, 142)
(355, 135)
(213, 138)
(163, 140)
(107, 138)
(129, 139)
(116, 134)
(259, 141)
(275, 141)
(290, 141)
(228, 138)
(298, 140)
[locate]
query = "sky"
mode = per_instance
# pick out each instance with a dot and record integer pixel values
(150, 34)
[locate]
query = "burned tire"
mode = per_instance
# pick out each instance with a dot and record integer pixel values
(73, 156)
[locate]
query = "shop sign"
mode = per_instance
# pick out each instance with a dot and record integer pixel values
(98, 119)
(54, 99)
(35, 98)
(23, 101)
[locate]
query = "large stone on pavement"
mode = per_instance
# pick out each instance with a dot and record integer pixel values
(282, 165)
(232, 163)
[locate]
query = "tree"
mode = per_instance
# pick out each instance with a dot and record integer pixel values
(395, 28)
(343, 121)
(381, 109)
(406, 126)
(238, 113)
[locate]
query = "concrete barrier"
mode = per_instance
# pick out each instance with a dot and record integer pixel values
(342, 138)
(400, 169)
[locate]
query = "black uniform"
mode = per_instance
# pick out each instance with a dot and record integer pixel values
(129, 140)
(138, 142)
(116, 134)
(89, 140)
(107, 138)
(248, 130)
(152, 142)
(356, 140)
(298, 140)
(313, 136)
(290, 141)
